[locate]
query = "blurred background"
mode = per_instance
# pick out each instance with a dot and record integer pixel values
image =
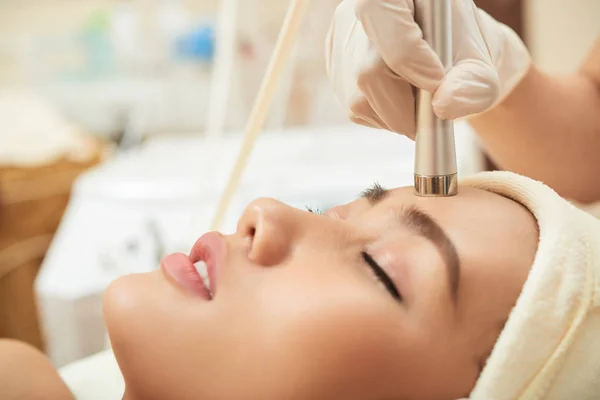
(120, 121)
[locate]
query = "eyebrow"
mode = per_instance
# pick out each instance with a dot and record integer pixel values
(425, 226)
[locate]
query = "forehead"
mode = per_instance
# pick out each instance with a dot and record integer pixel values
(470, 203)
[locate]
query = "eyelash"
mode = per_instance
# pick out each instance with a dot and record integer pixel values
(314, 210)
(382, 276)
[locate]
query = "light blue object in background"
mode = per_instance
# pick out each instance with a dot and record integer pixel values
(197, 45)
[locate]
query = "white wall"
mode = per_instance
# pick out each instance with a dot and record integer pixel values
(561, 32)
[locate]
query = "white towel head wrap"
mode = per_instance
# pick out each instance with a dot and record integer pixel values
(550, 346)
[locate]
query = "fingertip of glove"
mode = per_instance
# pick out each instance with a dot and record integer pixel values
(447, 112)
(460, 107)
(466, 90)
(454, 106)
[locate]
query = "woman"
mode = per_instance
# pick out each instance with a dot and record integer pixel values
(375, 286)
(370, 300)
(392, 296)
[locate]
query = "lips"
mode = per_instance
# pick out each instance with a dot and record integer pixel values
(181, 271)
(209, 249)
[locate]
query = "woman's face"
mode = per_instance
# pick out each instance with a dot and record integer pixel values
(389, 297)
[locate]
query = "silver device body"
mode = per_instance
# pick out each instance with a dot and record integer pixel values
(435, 158)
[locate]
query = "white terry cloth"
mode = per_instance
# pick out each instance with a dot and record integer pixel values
(33, 133)
(550, 346)
(97, 377)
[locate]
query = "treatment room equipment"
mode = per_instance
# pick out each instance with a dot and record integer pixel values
(435, 152)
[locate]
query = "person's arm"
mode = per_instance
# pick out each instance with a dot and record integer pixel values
(548, 128)
(26, 374)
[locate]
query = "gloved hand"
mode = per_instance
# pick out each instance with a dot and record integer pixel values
(376, 57)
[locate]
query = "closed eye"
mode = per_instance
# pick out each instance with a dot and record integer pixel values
(382, 276)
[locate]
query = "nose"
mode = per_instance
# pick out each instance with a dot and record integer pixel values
(270, 226)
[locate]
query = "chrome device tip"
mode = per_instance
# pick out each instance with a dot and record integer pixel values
(436, 186)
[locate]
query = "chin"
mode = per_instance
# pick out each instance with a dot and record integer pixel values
(129, 301)
(119, 304)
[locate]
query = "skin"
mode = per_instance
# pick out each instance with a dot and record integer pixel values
(298, 314)
(25, 373)
(548, 128)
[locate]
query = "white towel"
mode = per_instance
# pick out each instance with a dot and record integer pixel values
(97, 377)
(33, 133)
(550, 346)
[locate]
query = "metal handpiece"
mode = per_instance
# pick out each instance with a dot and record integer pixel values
(435, 157)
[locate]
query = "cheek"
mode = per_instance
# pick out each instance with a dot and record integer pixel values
(335, 337)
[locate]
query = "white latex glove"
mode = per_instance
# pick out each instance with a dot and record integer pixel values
(376, 56)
